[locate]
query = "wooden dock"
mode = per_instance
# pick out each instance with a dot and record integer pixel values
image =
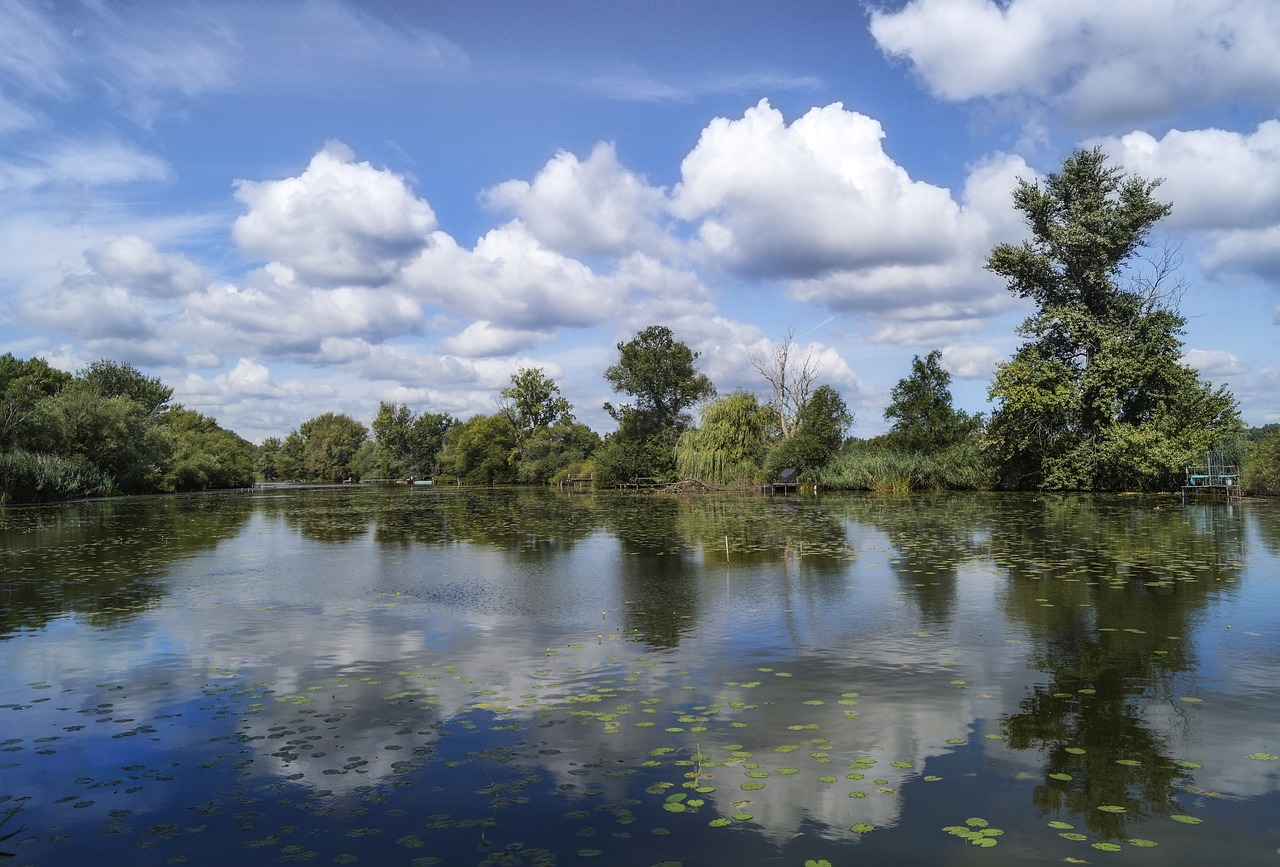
(1213, 477)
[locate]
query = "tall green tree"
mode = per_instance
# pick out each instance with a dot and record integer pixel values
(658, 372)
(1097, 398)
(920, 407)
(266, 460)
(408, 443)
(291, 459)
(330, 442)
(480, 450)
(532, 402)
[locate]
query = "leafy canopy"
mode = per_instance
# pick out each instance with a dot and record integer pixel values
(1098, 397)
(920, 407)
(657, 370)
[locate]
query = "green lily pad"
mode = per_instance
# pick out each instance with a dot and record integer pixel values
(1063, 777)
(1143, 844)
(1111, 808)
(1262, 757)
(1107, 847)
(1061, 826)
(861, 828)
(1187, 820)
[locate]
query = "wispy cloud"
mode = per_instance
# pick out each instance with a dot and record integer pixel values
(635, 85)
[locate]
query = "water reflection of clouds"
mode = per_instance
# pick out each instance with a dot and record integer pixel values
(481, 635)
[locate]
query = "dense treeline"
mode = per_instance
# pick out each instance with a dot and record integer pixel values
(1096, 399)
(107, 429)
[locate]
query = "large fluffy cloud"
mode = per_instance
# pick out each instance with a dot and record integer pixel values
(1105, 60)
(593, 206)
(1221, 183)
(819, 204)
(1216, 179)
(338, 221)
(810, 198)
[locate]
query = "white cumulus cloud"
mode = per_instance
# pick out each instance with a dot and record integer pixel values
(810, 198)
(1104, 60)
(338, 221)
(593, 207)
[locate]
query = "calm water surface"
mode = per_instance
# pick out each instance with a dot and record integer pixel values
(408, 676)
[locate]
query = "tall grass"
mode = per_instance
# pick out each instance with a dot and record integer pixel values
(961, 467)
(27, 477)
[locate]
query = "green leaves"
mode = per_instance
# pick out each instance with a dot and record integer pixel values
(1098, 398)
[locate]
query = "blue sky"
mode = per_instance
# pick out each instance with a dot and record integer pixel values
(288, 208)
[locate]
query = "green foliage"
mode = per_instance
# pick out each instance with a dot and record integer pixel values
(920, 407)
(265, 460)
(408, 443)
(204, 455)
(658, 371)
(329, 445)
(1097, 398)
(962, 466)
(23, 384)
(820, 428)
(107, 429)
(115, 379)
(555, 450)
(479, 451)
(1262, 469)
(37, 478)
(291, 459)
(632, 452)
(729, 445)
(115, 433)
(533, 401)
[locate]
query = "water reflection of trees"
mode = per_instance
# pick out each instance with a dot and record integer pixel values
(103, 560)
(532, 522)
(1112, 588)
(670, 543)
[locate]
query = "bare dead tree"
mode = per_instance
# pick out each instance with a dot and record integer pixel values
(1158, 281)
(790, 376)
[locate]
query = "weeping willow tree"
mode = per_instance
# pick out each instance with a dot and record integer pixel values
(729, 445)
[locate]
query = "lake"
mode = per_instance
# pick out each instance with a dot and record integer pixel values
(420, 676)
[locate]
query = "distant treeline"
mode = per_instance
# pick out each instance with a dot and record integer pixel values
(108, 429)
(1097, 398)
